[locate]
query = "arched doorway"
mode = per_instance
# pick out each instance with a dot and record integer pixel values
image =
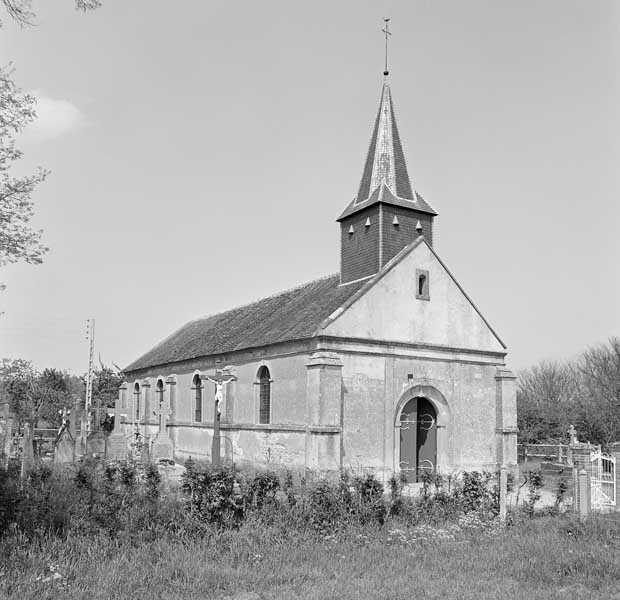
(418, 439)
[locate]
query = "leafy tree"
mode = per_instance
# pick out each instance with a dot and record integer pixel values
(18, 240)
(54, 391)
(106, 382)
(34, 396)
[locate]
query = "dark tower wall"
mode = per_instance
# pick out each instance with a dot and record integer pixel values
(396, 237)
(359, 251)
(368, 248)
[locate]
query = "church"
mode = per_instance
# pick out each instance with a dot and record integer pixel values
(386, 366)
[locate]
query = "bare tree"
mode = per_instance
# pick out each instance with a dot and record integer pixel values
(546, 398)
(22, 13)
(599, 411)
(584, 392)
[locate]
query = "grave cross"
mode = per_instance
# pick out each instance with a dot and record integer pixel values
(572, 432)
(163, 412)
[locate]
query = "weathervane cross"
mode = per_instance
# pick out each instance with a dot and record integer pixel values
(386, 31)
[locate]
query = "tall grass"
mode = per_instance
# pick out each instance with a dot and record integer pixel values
(334, 540)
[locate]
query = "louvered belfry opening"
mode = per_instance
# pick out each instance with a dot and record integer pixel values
(264, 380)
(198, 399)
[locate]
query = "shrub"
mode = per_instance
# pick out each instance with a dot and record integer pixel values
(263, 488)
(212, 497)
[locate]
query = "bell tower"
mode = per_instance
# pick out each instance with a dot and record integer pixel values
(387, 213)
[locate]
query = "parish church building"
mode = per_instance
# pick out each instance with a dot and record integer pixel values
(387, 365)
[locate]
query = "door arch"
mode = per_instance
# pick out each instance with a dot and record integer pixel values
(418, 439)
(443, 419)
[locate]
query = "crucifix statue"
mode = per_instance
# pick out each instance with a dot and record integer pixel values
(222, 378)
(64, 421)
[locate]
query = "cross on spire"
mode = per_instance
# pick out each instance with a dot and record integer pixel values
(386, 31)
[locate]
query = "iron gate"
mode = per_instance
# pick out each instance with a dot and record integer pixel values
(603, 480)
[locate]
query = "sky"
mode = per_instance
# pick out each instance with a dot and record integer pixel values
(200, 153)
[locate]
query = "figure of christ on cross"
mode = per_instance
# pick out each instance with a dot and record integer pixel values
(220, 381)
(219, 389)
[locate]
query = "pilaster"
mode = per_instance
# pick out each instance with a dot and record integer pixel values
(506, 418)
(324, 410)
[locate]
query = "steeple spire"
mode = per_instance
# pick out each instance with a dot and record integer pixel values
(385, 161)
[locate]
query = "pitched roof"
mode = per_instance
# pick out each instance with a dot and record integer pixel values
(291, 315)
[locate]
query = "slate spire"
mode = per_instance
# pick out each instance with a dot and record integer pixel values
(385, 160)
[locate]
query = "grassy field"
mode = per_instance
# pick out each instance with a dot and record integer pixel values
(540, 558)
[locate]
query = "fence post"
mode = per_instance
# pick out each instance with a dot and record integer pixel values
(584, 494)
(560, 453)
(503, 492)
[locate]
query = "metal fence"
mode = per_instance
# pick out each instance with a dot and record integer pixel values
(556, 453)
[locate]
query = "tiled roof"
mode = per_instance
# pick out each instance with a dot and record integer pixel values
(292, 315)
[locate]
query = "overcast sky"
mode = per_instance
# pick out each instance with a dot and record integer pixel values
(201, 152)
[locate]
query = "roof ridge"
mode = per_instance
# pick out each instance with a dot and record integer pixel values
(263, 298)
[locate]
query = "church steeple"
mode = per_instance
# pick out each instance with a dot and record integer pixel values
(387, 213)
(385, 160)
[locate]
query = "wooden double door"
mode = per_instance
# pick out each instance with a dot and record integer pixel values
(418, 439)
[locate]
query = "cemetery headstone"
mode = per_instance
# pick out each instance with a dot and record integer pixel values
(116, 442)
(162, 444)
(95, 444)
(6, 435)
(27, 449)
(81, 436)
(64, 449)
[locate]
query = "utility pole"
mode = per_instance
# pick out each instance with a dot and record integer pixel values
(90, 336)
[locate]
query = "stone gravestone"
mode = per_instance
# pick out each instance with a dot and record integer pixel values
(64, 449)
(95, 441)
(116, 442)
(81, 433)
(27, 449)
(6, 435)
(162, 444)
(95, 444)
